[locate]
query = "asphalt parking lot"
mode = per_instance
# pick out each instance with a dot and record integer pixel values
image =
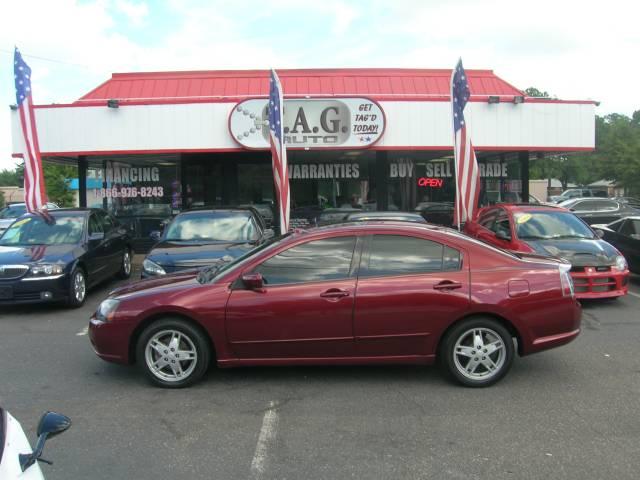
(566, 413)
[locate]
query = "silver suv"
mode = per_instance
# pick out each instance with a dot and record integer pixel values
(578, 193)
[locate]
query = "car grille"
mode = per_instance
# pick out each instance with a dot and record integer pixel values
(10, 272)
(604, 284)
(597, 269)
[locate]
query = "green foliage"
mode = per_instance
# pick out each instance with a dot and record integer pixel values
(1, 199)
(534, 92)
(9, 178)
(57, 179)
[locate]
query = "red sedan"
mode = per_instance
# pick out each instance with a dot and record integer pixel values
(597, 268)
(370, 293)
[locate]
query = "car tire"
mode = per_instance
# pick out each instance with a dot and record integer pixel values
(472, 366)
(160, 345)
(126, 265)
(77, 288)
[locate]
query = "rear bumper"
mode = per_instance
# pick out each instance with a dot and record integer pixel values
(592, 284)
(24, 291)
(565, 330)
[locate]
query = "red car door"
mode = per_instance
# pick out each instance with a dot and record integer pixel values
(409, 289)
(306, 307)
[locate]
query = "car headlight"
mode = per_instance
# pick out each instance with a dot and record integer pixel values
(621, 263)
(46, 270)
(107, 309)
(152, 267)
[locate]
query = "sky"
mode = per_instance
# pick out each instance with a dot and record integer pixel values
(572, 49)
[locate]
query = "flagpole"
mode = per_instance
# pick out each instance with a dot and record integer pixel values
(455, 150)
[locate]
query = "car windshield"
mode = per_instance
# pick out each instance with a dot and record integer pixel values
(36, 230)
(13, 211)
(550, 225)
(212, 227)
(209, 274)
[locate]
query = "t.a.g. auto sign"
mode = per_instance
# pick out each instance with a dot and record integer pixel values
(310, 123)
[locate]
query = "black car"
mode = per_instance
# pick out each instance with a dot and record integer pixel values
(439, 213)
(60, 256)
(599, 210)
(201, 237)
(624, 234)
(394, 216)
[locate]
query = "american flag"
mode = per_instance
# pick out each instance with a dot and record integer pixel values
(467, 173)
(278, 151)
(35, 195)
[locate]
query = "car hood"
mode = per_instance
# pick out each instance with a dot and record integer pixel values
(11, 255)
(581, 252)
(185, 255)
(151, 285)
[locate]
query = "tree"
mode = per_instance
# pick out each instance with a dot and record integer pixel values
(1, 199)
(9, 178)
(56, 177)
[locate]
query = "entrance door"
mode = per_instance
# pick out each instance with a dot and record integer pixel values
(409, 289)
(306, 308)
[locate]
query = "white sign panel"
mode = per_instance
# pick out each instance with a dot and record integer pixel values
(310, 123)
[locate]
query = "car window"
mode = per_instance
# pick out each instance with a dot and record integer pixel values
(106, 220)
(486, 219)
(584, 206)
(502, 223)
(397, 255)
(617, 225)
(219, 226)
(95, 225)
(36, 230)
(630, 227)
(314, 261)
(603, 205)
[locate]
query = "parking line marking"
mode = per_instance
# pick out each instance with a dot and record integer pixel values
(82, 332)
(634, 294)
(267, 435)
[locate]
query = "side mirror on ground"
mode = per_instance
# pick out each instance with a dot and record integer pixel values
(599, 233)
(253, 281)
(155, 235)
(50, 425)
(96, 236)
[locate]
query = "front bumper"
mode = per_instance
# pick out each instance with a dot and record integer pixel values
(110, 340)
(31, 290)
(590, 283)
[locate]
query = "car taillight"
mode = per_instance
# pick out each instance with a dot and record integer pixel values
(566, 281)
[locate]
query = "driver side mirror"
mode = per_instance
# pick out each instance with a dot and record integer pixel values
(50, 425)
(253, 281)
(155, 235)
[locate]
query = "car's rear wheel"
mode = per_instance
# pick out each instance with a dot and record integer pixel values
(173, 353)
(77, 288)
(125, 267)
(478, 352)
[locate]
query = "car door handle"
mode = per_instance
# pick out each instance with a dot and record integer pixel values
(334, 293)
(447, 285)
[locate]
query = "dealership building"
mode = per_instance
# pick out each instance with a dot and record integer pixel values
(377, 139)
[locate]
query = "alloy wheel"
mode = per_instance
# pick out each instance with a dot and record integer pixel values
(171, 355)
(479, 354)
(126, 263)
(79, 287)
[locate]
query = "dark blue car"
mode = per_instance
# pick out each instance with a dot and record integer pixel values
(203, 237)
(61, 256)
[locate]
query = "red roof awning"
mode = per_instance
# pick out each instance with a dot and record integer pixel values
(379, 83)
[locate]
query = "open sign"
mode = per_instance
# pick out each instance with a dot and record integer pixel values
(430, 182)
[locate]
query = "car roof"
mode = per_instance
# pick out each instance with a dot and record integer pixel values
(527, 207)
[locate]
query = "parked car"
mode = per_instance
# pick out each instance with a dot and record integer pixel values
(17, 459)
(201, 237)
(354, 293)
(57, 258)
(266, 210)
(631, 201)
(597, 268)
(438, 213)
(11, 212)
(574, 193)
(624, 234)
(601, 210)
(393, 216)
(335, 215)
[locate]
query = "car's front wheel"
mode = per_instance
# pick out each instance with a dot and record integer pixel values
(173, 353)
(77, 288)
(478, 352)
(125, 267)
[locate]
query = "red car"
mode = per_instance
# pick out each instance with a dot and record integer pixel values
(597, 268)
(358, 293)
